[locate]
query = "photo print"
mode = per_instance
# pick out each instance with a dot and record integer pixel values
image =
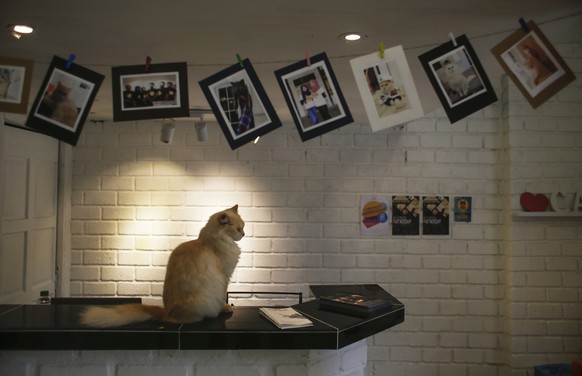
(15, 77)
(158, 92)
(240, 104)
(313, 96)
(387, 88)
(64, 100)
(458, 78)
(533, 64)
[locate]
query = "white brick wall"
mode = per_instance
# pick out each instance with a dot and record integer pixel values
(495, 297)
(348, 361)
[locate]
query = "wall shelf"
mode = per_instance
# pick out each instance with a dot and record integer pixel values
(557, 215)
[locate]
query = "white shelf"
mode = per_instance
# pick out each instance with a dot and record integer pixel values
(547, 214)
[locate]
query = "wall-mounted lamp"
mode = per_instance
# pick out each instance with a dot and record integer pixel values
(167, 131)
(201, 130)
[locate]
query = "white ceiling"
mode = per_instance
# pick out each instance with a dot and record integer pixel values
(271, 33)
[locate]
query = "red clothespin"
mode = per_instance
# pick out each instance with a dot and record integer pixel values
(307, 58)
(148, 62)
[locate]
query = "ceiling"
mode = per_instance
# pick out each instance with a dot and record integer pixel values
(272, 34)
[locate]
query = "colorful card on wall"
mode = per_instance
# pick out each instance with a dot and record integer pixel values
(405, 215)
(435, 215)
(374, 215)
(463, 209)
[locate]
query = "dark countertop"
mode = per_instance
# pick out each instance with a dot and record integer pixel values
(57, 327)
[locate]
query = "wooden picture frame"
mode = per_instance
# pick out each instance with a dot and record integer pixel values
(533, 64)
(15, 78)
(156, 91)
(387, 88)
(458, 78)
(240, 104)
(64, 100)
(313, 96)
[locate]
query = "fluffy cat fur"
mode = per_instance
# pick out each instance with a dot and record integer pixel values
(197, 277)
(456, 80)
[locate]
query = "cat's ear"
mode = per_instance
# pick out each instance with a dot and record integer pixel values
(235, 208)
(224, 219)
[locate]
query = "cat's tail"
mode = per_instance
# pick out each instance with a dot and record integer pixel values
(119, 315)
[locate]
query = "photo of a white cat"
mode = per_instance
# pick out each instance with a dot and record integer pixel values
(457, 76)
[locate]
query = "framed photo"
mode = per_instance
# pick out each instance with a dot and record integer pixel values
(313, 96)
(15, 77)
(64, 100)
(387, 88)
(156, 92)
(458, 78)
(240, 104)
(533, 64)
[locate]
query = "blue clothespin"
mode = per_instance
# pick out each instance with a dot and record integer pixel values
(70, 61)
(523, 25)
(240, 62)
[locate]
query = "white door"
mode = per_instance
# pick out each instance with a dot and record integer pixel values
(28, 214)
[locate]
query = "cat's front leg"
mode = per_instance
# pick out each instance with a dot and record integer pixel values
(227, 308)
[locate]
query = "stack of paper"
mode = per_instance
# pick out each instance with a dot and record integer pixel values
(285, 318)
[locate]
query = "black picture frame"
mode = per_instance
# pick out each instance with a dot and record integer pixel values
(15, 84)
(313, 96)
(240, 104)
(64, 100)
(156, 91)
(458, 78)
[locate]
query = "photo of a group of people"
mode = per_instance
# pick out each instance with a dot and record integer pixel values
(150, 90)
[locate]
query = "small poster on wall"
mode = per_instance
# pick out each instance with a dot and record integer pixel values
(463, 209)
(405, 215)
(374, 215)
(435, 215)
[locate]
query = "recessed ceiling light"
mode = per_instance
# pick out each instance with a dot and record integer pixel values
(352, 37)
(22, 29)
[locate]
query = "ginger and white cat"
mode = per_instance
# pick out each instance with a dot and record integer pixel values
(197, 277)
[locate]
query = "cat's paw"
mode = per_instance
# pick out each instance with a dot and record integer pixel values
(227, 308)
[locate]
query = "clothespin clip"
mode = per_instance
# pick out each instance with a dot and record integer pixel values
(452, 37)
(148, 62)
(307, 58)
(381, 50)
(70, 61)
(523, 25)
(240, 62)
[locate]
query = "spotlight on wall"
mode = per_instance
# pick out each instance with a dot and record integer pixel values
(18, 30)
(167, 131)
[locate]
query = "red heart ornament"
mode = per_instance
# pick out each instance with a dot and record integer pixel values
(534, 203)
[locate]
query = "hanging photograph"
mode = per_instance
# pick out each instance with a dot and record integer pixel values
(240, 104)
(15, 77)
(533, 64)
(387, 88)
(435, 215)
(156, 91)
(458, 78)
(313, 96)
(405, 215)
(64, 100)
